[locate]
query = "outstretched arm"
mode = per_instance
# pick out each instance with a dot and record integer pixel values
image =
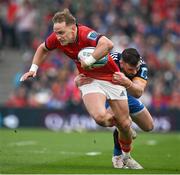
(38, 59)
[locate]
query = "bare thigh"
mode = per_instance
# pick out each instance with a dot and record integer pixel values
(144, 120)
(94, 103)
(120, 109)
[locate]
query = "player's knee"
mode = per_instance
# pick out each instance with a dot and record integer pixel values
(125, 125)
(99, 118)
(149, 127)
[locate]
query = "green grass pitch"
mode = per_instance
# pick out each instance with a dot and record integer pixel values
(45, 152)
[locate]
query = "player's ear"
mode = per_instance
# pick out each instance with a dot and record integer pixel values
(121, 63)
(73, 27)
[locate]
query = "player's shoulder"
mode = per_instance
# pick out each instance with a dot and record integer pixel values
(82, 27)
(143, 70)
(142, 63)
(116, 56)
(51, 41)
(87, 32)
(52, 35)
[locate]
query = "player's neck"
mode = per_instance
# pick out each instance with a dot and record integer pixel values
(74, 35)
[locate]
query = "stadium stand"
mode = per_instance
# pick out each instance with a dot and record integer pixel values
(151, 26)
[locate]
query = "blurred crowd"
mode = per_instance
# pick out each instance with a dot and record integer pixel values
(150, 26)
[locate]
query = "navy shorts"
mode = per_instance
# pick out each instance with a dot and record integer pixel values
(135, 105)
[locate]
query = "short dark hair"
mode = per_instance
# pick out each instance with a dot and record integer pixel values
(64, 16)
(131, 56)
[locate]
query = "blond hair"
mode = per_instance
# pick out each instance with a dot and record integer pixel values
(64, 16)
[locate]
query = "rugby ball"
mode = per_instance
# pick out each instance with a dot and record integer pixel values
(86, 52)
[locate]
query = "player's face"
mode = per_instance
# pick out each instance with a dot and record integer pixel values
(65, 33)
(128, 69)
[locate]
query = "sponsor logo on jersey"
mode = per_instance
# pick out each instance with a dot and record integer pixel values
(92, 35)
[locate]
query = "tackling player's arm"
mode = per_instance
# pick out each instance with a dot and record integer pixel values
(38, 59)
(138, 83)
(81, 79)
(136, 87)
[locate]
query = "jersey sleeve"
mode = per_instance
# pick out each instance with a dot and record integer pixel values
(51, 42)
(90, 37)
(143, 72)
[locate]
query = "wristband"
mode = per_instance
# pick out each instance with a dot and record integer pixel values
(89, 60)
(33, 68)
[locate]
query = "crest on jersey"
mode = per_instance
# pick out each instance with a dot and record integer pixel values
(92, 35)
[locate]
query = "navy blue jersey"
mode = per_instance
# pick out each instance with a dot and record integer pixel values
(141, 73)
(135, 105)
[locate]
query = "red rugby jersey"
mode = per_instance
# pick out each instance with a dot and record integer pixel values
(86, 37)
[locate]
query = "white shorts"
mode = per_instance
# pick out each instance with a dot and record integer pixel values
(110, 90)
